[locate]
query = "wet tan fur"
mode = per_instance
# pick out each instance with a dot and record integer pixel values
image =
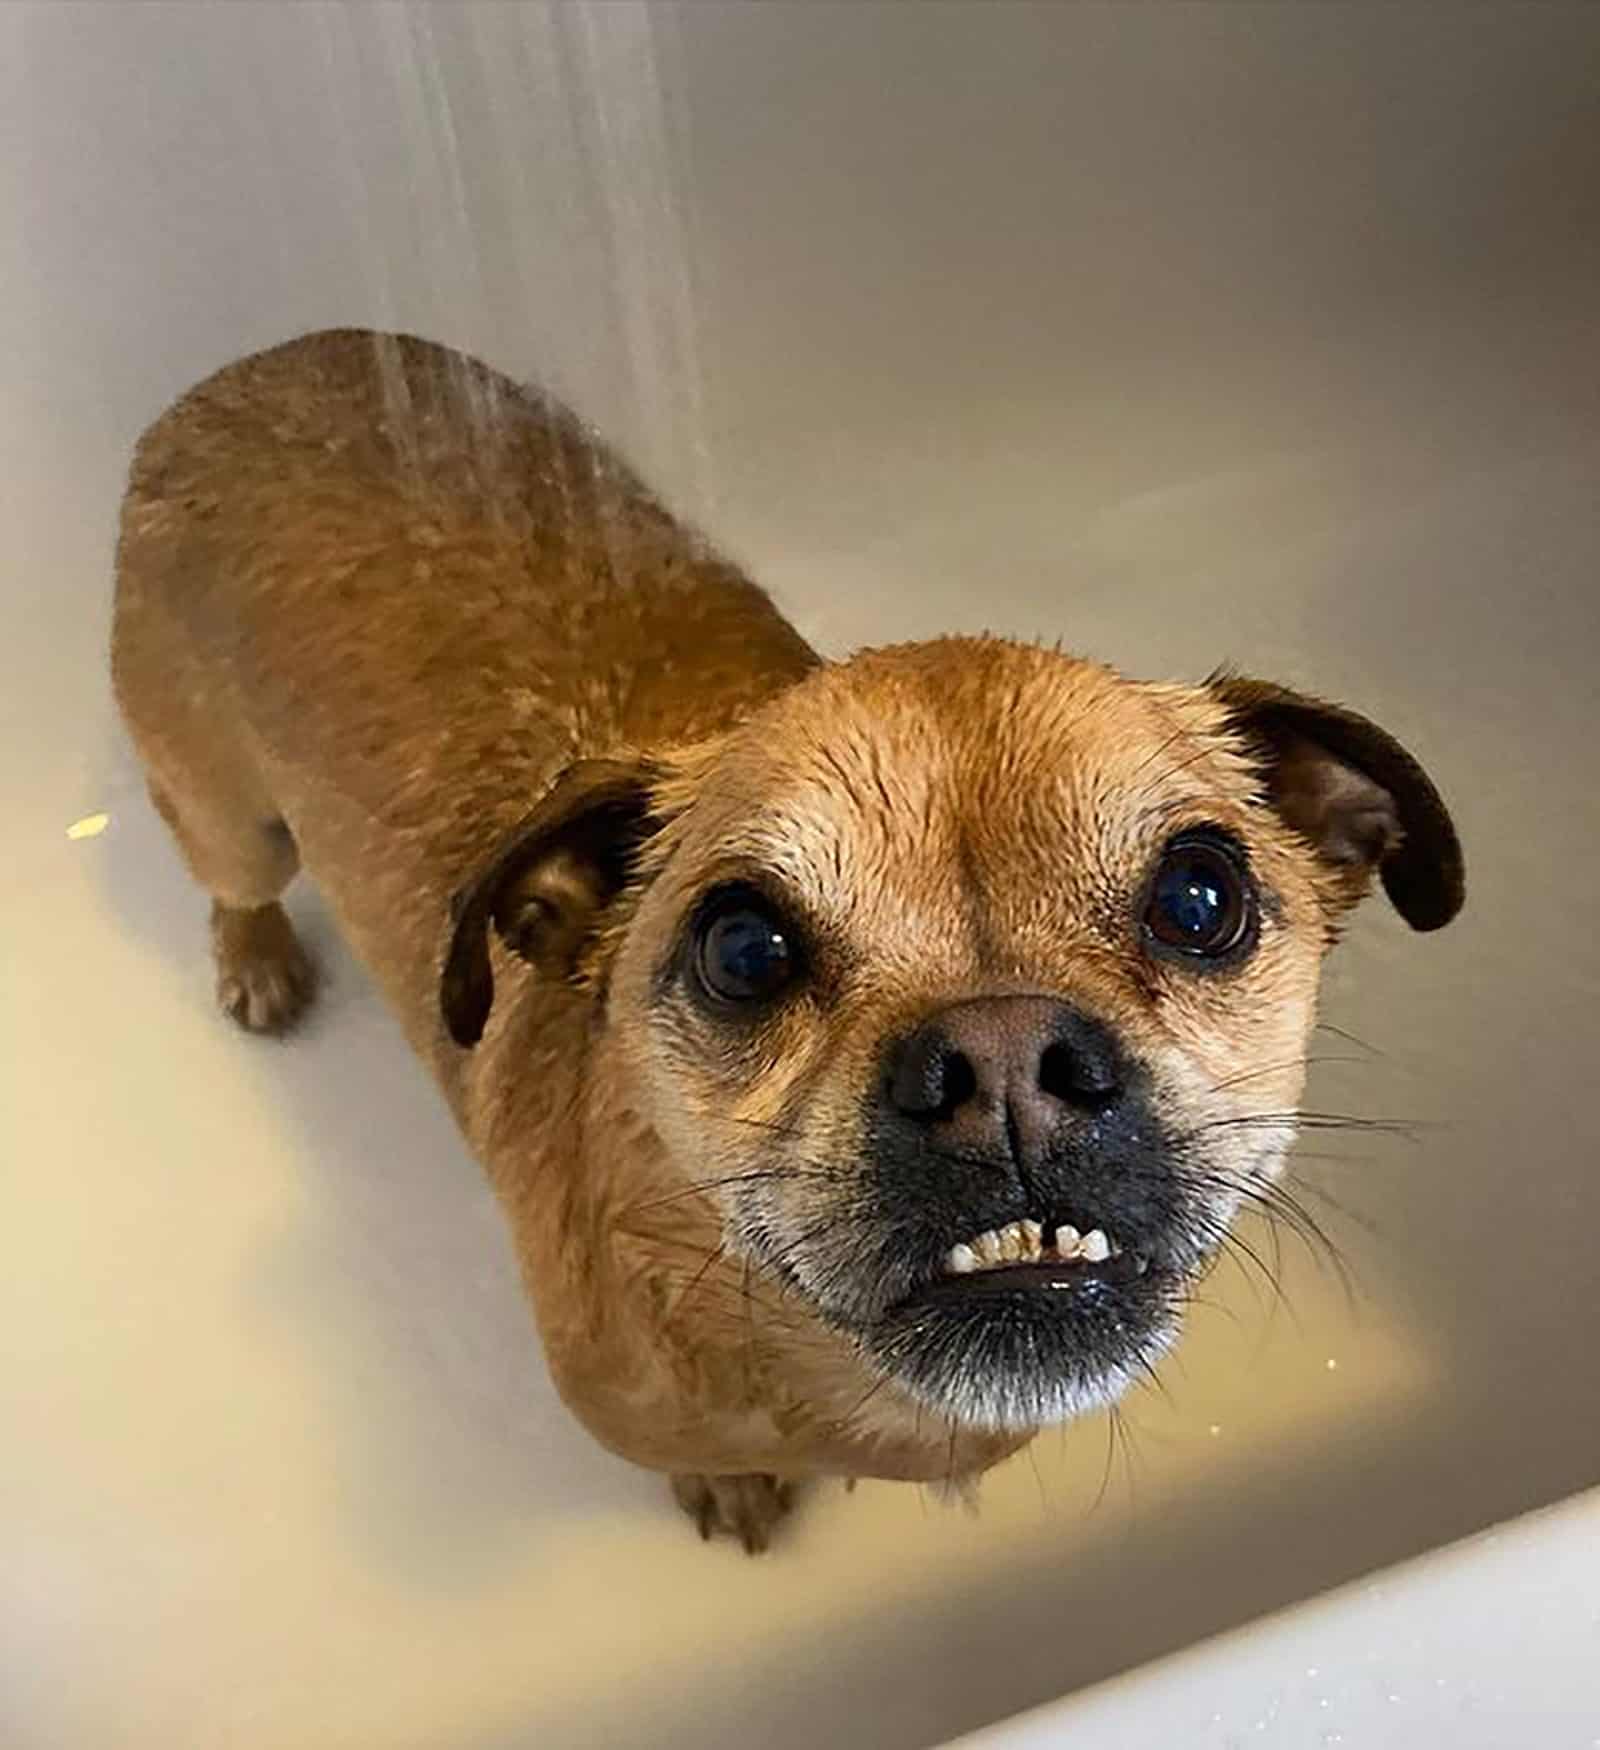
(371, 591)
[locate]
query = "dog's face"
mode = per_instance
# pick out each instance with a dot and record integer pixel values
(974, 982)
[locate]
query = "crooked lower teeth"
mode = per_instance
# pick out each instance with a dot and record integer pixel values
(1023, 1242)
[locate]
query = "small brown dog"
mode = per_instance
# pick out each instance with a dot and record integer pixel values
(867, 1056)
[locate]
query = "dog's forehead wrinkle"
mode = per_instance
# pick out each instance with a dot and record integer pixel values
(978, 722)
(974, 849)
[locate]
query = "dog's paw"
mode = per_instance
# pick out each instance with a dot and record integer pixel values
(746, 1507)
(265, 978)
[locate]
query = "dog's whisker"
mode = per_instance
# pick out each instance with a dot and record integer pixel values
(713, 1258)
(1290, 1121)
(780, 1257)
(1195, 1299)
(1270, 1069)
(1161, 747)
(1350, 1038)
(1322, 1195)
(1279, 1207)
(1234, 1245)
(861, 1403)
(750, 1176)
(749, 1325)
(1166, 777)
(1038, 1478)
(1151, 1380)
(1117, 1445)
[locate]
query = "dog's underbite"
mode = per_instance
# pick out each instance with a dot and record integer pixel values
(869, 1056)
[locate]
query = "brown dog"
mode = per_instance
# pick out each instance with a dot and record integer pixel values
(867, 1056)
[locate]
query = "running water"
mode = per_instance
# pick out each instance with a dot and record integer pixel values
(518, 174)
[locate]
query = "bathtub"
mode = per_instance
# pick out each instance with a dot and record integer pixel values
(1185, 334)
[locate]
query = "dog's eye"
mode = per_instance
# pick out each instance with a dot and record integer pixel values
(1199, 901)
(742, 953)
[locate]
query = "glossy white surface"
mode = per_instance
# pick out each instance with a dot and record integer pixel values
(1486, 1644)
(1188, 334)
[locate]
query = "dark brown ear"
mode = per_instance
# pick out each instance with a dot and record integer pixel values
(1356, 794)
(545, 886)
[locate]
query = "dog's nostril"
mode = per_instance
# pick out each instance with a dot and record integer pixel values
(932, 1080)
(960, 1081)
(1085, 1079)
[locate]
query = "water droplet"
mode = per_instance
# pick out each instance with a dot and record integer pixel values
(1215, 1429)
(1333, 1365)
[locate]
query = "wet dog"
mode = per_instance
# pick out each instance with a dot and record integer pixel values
(868, 1056)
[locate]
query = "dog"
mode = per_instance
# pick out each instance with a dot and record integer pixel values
(868, 1056)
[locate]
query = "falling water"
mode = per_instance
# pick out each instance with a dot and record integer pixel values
(513, 179)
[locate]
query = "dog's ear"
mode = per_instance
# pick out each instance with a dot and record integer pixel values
(546, 885)
(1361, 800)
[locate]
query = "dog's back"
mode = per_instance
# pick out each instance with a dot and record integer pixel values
(371, 598)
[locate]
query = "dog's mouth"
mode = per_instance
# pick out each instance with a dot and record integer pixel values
(1032, 1322)
(1068, 1264)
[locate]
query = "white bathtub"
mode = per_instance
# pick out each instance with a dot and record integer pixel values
(1264, 334)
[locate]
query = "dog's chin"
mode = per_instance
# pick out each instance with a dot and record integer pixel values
(1020, 1348)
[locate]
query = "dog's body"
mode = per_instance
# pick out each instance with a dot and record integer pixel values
(375, 603)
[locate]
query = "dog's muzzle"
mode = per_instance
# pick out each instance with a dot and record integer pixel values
(1034, 1228)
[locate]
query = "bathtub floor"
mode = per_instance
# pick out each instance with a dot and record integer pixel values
(281, 1465)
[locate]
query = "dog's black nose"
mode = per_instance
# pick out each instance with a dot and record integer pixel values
(1000, 1076)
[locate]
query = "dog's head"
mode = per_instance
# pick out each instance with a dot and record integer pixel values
(973, 983)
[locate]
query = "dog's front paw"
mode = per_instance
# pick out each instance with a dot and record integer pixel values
(264, 977)
(745, 1507)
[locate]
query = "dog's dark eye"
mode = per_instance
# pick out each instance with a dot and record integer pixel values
(742, 953)
(1199, 900)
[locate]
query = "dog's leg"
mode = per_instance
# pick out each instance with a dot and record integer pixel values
(745, 1507)
(264, 976)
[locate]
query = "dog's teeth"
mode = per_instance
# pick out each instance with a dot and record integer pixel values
(1023, 1242)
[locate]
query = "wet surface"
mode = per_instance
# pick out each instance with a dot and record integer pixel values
(1262, 335)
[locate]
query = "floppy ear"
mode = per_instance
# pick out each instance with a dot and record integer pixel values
(1357, 795)
(545, 886)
